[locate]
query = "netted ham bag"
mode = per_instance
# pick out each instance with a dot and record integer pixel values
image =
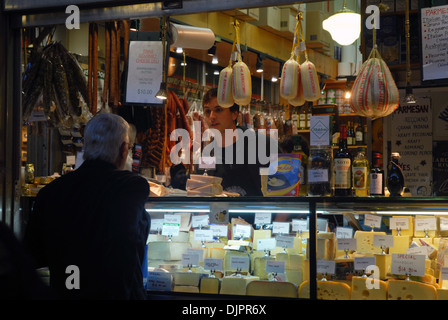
(241, 84)
(225, 96)
(310, 81)
(289, 79)
(374, 92)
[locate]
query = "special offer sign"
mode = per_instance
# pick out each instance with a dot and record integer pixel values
(145, 69)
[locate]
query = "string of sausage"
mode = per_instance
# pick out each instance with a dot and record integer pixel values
(92, 81)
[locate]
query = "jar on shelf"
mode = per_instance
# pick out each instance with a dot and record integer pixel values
(319, 171)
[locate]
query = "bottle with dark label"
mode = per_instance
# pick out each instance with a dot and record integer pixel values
(302, 118)
(360, 174)
(395, 177)
(376, 176)
(309, 113)
(342, 164)
(359, 134)
(319, 171)
(350, 134)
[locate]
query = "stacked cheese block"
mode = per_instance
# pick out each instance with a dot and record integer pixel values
(203, 186)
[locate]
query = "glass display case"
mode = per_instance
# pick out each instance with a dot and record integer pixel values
(334, 248)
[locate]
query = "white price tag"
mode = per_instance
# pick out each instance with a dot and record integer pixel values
(380, 240)
(266, 244)
(213, 264)
(443, 224)
(347, 244)
(321, 224)
(444, 273)
(342, 232)
(203, 235)
(156, 224)
(171, 225)
(273, 266)
(299, 225)
(199, 221)
(280, 227)
(200, 252)
(361, 263)
(408, 264)
(160, 281)
(285, 241)
(422, 224)
(242, 231)
(190, 259)
(325, 266)
(262, 218)
(372, 220)
(207, 163)
(239, 263)
(219, 230)
(399, 223)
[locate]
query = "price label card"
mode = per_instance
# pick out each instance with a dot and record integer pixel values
(325, 266)
(207, 163)
(239, 263)
(199, 221)
(266, 244)
(159, 281)
(262, 218)
(299, 225)
(347, 244)
(285, 241)
(342, 232)
(361, 263)
(280, 227)
(321, 224)
(219, 230)
(273, 266)
(203, 235)
(372, 220)
(190, 259)
(408, 264)
(156, 224)
(213, 264)
(422, 224)
(444, 273)
(380, 240)
(399, 223)
(199, 251)
(171, 225)
(443, 223)
(242, 231)
(422, 250)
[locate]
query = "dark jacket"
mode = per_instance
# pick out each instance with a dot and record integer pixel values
(94, 219)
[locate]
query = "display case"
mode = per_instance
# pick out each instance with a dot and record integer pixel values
(344, 248)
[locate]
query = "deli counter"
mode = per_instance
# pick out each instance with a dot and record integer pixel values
(331, 248)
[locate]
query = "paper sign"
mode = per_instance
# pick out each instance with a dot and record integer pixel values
(199, 221)
(242, 231)
(444, 273)
(361, 263)
(320, 130)
(156, 224)
(159, 281)
(325, 266)
(171, 225)
(219, 213)
(408, 264)
(273, 266)
(213, 264)
(399, 223)
(262, 218)
(372, 220)
(203, 235)
(239, 263)
(347, 244)
(342, 232)
(280, 227)
(299, 225)
(190, 259)
(266, 244)
(322, 225)
(207, 163)
(443, 224)
(200, 252)
(285, 241)
(380, 240)
(219, 230)
(422, 224)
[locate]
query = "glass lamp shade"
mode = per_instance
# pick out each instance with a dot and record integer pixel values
(344, 27)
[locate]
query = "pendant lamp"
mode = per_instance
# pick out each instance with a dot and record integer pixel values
(344, 26)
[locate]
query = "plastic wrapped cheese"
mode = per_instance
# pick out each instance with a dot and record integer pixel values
(299, 99)
(310, 81)
(241, 84)
(225, 97)
(289, 79)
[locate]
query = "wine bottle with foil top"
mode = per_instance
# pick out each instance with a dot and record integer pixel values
(342, 164)
(377, 177)
(361, 174)
(395, 176)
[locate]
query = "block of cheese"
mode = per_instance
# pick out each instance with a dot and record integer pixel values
(206, 190)
(326, 246)
(401, 244)
(383, 262)
(206, 179)
(264, 288)
(367, 289)
(294, 276)
(260, 266)
(420, 240)
(227, 258)
(292, 261)
(298, 247)
(410, 290)
(261, 234)
(167, 250)
(326, 290)
(422, 233)
(442, 294)
(306, 270)
(405, 232)
(209, 285)
(364, 241)
(235, 284)
(187, 278)
(186, 289)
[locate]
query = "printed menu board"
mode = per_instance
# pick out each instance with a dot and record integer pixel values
(434, 29)
(411, 136)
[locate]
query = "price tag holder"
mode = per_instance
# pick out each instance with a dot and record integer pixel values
(383, 241)
(280, 227)
(159, 281)
(199, 221)
(239, 263)
(156, 224)
(408, 264)
(213, 264)
(273, 266)
(285, 241)
(205, 235)
(262, 218)
(399, 223)
(266, 244)
(373, 221)
(219, 230)
(361, 263)
(325, 266)
(344, 233)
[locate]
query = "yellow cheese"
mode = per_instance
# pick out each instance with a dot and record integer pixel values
(263, 288)
(405, 232)
(326, 290)
(216, 253)
(187, 278)
(260, 267)
(401, 244)
(292, 261)
(442, 294)
(206, 179)
(326, 246)
(261, 234)
(364, 241)
(306, 270)
(206, 190)
(422, 233)
(298, 247)
(365, 289)
(209, 285)
(253, 255)
(187, 289)
(294, 276)
(383, 262)
(167, 250)
(410, 290)
(235, 285)
(227, 258)
(419, 240)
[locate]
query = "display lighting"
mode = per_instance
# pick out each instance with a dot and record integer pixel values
(259, 64)
(344, 26)
(215, 60)
(162, 94)
(179, 50)
(212, 50)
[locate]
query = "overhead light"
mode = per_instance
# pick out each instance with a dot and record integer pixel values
(162, 94)
(179, 50)
(212, 50)
(215, 60)
(344, 26)
(259, 64)
(183, 63)
(216, 73)
(274, 79)
(135, 24)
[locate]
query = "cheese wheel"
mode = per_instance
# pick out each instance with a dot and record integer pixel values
(225, 97)
(289, 79)
(374, 92)
(310, 81)
(299, 99)
(241, 84)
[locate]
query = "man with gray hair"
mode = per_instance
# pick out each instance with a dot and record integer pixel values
(90, 226)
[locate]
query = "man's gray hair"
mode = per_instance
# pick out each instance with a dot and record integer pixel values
(103, 136)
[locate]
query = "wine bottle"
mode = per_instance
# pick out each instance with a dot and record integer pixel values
(377, 176)
(309, 113)
(360, 174)
(395, 177)
(359, 134)
(294, 121)
(302, 118)
(342, 166)
(350, 141)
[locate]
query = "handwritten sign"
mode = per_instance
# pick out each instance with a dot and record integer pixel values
(160, 281)
(411, 136)
(213, 264)
(408, 264)
(440, 168)
(434, 42)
